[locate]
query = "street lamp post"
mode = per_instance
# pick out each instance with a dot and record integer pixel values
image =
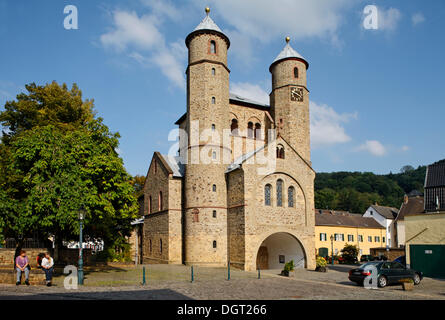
(332, 248)
(80, 271)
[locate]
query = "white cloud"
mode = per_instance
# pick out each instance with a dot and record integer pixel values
(140, 38)
(417, 18)
(374, 147)
(405, 148)
(265, 20)
(389, 19)
(327, 125)
(250, 91)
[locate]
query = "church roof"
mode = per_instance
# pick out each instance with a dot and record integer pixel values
(238, 98)
(207, 24)
(175, 165)
(289, 52)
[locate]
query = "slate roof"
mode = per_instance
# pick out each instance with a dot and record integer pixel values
(347, 220)
(435, 175)
(387, 212)
(177, 168)
(236, 99)
(415, 205)
(207, 24)
(286, 53)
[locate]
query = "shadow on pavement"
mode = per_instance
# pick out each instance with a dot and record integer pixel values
(160, 294)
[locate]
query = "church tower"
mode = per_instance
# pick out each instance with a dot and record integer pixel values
(289, 99)
(205, 205)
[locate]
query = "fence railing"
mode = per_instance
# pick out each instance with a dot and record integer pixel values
(27, 244)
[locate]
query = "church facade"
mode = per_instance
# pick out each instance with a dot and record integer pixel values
(241, 188)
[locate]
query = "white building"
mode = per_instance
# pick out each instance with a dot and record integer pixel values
(385, 216)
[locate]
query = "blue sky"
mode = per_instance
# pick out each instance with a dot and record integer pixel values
(377, 96)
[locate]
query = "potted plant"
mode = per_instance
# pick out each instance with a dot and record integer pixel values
(407, 284)
(288, 270)
(321, 264)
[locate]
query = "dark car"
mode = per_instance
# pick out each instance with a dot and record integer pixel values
(401, 259)
(366, 258)
(381, 258)
(387, 273)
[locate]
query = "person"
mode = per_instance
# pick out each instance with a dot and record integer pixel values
(39, 258)
(48, 267)
(22, 265)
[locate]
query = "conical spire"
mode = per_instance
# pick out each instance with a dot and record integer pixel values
(207, 23)
(289, 52)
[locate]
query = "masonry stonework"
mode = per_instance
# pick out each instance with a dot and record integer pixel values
(219, 205)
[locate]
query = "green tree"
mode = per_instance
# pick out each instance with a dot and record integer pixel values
(57, 157)
(350, 253)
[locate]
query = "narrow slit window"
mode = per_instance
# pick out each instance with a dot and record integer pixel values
(213, 47)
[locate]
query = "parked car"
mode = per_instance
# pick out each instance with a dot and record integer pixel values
(402, 260)
(381, 258)
(387, 273)
(366, 258)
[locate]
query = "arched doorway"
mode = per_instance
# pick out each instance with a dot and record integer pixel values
(278, 249)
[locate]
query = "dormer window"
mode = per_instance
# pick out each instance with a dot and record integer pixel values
(212, 47)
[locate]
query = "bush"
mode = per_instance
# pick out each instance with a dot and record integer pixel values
(289, 266)
(321, 262)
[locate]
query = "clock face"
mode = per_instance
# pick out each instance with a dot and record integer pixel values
(296, 94)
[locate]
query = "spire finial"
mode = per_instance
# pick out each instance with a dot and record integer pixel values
(287, 39)
(207, 10)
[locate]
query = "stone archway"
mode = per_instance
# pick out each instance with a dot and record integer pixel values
(278, 249)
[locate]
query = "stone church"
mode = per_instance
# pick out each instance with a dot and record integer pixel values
(240, 189)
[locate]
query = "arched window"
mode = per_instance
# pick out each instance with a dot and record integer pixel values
(149, 204)
(280, 152)
(257, 131)
(213, 127)
(290, 197)
(234, 127)
(214, 188)
(295, 72)
(214, 244)
(213, 47)
(250, 130)
(160, 245)
(213, 100)
(279, 193)
(267, 193)
(160, 204)
(213, 71)
(214, 155)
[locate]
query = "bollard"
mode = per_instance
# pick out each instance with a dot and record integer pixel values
(191, 273)
(259, 273)
(228, 271)
(143, 276)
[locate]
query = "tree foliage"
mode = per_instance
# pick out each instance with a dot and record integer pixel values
(356, 191)
(56, 156)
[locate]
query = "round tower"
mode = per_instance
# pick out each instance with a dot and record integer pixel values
(289, 99)
(205, 212)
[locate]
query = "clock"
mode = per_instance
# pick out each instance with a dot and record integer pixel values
(296, 94)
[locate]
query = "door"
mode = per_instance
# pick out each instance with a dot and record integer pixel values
(262, 259)
(430, 259)
(323, 252)
(398, 271)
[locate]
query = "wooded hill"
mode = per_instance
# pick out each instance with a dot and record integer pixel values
(356, 191)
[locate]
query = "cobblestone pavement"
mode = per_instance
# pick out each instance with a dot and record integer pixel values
(306, 285)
